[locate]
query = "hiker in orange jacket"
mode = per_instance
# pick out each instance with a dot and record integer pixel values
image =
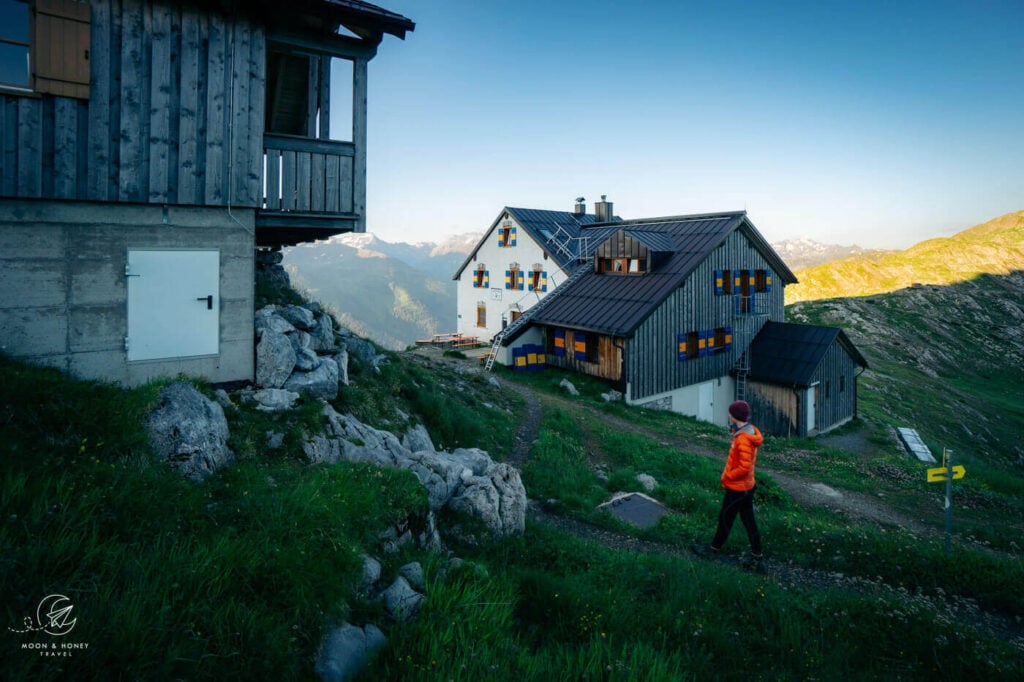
(739, 484)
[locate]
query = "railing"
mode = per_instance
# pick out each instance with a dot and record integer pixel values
(306, 175)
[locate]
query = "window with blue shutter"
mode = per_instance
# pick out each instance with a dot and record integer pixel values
(559, 348)
(719, 282)
(682, 347)
(579, 346)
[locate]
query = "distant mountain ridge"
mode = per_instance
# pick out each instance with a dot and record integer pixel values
(391, 293)
(807, 253)
(994, 248)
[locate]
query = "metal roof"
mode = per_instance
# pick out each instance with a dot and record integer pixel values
(618, 305)
(789, 354)
(655, 241)
(560, 233)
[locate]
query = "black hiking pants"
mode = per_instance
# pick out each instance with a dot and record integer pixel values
(742, 503)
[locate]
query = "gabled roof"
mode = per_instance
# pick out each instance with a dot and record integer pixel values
(557, 232)
(789, 354)
(618, 305)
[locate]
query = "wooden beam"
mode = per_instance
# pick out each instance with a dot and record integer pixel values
(333, 45)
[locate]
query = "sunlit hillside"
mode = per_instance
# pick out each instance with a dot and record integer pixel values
(996, 248)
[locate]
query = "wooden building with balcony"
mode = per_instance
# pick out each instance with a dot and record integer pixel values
(148, 148)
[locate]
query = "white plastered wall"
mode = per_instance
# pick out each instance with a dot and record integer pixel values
(687, 400)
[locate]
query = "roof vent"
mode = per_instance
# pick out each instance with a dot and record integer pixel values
(581, 206)
(603, 210)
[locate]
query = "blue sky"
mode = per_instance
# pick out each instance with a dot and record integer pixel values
(872, 123)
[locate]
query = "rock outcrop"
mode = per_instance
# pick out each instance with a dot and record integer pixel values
(189, 431)
(465, 480)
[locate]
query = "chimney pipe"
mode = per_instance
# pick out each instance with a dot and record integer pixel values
(603, 210)
(581, 206)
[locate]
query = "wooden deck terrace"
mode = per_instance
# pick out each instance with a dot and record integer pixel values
(455, 341)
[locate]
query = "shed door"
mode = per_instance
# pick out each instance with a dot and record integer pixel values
(706, 402)
(811, 407)
(173, 304)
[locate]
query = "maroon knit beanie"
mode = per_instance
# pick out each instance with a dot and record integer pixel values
(740, 410)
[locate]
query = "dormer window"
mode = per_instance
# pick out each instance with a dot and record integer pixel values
(622, 266)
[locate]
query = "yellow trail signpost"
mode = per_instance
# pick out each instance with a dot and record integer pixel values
(939, 474)
(947, 473)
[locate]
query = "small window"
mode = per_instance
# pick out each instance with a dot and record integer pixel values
(514, 277)
(726, 281)
(762, 281)
(480, 277)
(593, 343)
(507, 235)
(14, 44)
(692, 345)
(481, 314)
(720, 340)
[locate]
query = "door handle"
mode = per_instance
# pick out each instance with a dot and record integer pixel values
(209, 301)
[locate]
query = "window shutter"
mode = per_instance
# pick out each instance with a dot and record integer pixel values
(702, 344)
(501, 237)
(487, 278)
(768, 280)
(579, 347)
(512, 238)
(544, 281)
(508, 279)
(560, 342)
(709, 334)
(60, 48)
(520, 279)
(728, 338)
(682, 347)
(719, 283)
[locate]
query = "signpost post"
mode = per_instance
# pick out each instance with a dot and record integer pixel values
(947, 472)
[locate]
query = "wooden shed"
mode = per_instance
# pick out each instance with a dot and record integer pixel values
(803, 378)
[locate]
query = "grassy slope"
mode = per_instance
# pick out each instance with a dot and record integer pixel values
(997, 247)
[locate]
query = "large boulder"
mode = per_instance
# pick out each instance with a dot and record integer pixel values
(275, 359)
(321, 382)
(300, 317)
(323, 334)
(345, 649)
(268, 318)
(189, 431)
(497, 499)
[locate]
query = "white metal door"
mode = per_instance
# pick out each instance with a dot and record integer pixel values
(706, 402)
(173, 304)
(811, 407)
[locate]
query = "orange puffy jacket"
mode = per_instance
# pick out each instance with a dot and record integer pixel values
(739, 468)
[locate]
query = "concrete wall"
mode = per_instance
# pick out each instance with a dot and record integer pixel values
(687, 400)
(62, 274)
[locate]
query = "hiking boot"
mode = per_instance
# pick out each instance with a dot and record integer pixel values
(752, 559)
(707, 551)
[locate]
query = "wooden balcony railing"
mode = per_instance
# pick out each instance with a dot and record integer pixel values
(308, 176)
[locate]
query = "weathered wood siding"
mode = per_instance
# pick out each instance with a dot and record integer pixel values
(652, 364)
(609, 357)
(175, 114)
(837, 392)
(776, 409)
